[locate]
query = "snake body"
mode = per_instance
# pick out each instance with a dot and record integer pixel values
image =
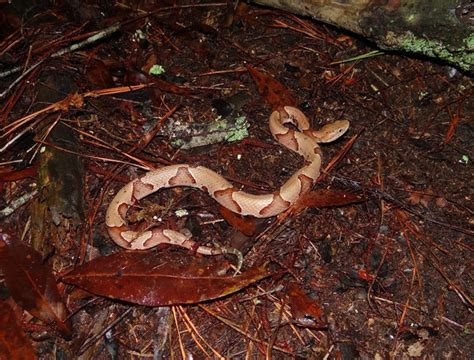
(304, 142)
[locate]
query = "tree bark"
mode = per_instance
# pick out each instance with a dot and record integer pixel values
(441, 29)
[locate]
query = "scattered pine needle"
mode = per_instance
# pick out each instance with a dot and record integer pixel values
(368, 55)
(453, 125)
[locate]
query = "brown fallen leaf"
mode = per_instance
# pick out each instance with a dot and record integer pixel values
(274, 93)
(246, 225)
(14, 344)
(453, 125)
(158, 279)
(31, 283)
(324, 198)
(99, 74)
(304, 310)
(422, 198)
(173, 88)
(366, 275)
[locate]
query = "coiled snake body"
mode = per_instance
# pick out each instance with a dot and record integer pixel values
(304, 142)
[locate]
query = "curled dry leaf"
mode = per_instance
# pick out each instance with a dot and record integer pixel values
(324, 198)
(245, 224)
(452, 126)
(13, 342)
(31, 283)
(366, 275)
(157, 279)
(273, 92)
(304, 310)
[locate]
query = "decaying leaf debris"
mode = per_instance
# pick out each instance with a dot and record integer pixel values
(374, 262)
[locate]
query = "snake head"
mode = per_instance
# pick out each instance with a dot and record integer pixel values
(331, 132)
(326, 134)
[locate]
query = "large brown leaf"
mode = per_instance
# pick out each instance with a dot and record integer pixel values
(326, 198)
(157, 279)
(31, 283)
(275, 94)
(13, 342)
(245, 224)
(321, 198)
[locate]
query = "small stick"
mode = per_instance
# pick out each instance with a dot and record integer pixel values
(92, 39)
(15, 204)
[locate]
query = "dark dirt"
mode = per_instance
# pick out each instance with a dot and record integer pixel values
(391, 274)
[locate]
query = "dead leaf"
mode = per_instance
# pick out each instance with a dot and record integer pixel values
(98, 74)
(304, 310)
(31, 283)
(421, 198)
(366, 275)
(275, 94)
(170, 87)
(452, 126)
(14, 344)
(324, 198)
(158, 279)
(246, 225)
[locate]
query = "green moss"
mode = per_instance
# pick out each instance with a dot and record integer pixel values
(218, 125)
(212, 133)
(177, 143)
(157, 70)
(409, 42)
(240, 131)
(469, 42)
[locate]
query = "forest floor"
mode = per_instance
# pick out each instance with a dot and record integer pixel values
(385, 274)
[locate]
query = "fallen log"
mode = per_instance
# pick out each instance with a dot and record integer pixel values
(440, 29)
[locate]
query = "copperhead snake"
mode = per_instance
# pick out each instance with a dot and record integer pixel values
(304, 142)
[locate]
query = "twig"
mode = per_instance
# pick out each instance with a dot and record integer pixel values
(178, 333)
(15, 204)
(75, 99)
(19, 135)
(443, 318)
(110, 160)
(106, 32)
(90, 40)
(237, 328)
(196, 335)
(93, 339)
(20, 78)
